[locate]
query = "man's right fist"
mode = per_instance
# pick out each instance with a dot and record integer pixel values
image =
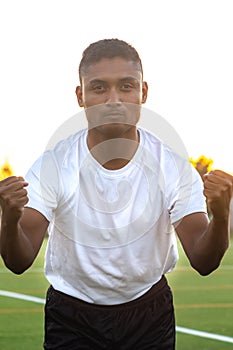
(13, 197)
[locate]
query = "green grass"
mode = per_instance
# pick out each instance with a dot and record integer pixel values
(201, 303)
(22, 321)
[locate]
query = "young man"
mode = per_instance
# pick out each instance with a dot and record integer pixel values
(112, 196)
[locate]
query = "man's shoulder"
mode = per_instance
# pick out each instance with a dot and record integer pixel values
(69, 143)
(62, 151)
(170, 147)
(154, 142)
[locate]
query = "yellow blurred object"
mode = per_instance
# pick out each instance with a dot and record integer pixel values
(6, 170)
(202, 164)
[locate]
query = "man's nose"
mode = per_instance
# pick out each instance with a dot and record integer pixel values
(113, 96)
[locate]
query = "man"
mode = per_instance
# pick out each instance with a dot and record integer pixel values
(111, 197)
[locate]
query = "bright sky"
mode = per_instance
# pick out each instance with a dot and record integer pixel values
(185, 47)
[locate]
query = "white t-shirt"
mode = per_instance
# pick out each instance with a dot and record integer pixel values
(111, 234)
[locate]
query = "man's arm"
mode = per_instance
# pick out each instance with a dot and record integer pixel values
(22, 229)
(206, 242)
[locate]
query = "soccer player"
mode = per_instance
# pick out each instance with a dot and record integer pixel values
(113, 198)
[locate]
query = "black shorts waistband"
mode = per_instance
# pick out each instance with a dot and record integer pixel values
(152, 293)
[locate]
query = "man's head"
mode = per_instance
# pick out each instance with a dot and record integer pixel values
(108, 48)
(111, 85)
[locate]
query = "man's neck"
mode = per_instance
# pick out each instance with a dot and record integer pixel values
(113, 152)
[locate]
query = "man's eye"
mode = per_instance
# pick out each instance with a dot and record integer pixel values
(98, 88)
(127, 86)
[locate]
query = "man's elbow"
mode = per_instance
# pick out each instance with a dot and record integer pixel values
(16, 268)
(206, 269)
(18, 271)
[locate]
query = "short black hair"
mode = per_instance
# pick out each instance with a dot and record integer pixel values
(108, 48)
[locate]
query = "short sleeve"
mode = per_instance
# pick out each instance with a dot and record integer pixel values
(188, 194)
(43, 186)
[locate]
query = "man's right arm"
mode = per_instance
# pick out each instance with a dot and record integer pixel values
(22, 229)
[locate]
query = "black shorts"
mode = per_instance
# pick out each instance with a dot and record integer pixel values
(145, 323)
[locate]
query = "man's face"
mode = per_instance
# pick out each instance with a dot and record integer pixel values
(112, 92)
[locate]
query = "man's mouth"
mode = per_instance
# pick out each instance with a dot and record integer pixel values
(113, 113)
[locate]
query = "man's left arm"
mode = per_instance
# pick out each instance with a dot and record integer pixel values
(205, 242)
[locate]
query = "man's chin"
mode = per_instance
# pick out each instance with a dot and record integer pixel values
(113, 129)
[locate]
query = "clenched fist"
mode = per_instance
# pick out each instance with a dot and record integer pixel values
(13, 197)
(218, 189)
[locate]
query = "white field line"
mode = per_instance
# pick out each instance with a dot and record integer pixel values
(205, 334)
(5, 293)
(178, 329)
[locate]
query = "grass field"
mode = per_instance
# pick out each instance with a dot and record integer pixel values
(202, 303)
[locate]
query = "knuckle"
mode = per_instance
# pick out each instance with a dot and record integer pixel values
(24, 192)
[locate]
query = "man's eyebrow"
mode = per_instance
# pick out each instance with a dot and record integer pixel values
(129, 78)
(94, 81)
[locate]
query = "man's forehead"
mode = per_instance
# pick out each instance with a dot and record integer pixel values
(116, 67)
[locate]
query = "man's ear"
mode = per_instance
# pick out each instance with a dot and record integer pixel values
(144, 91)
(78, 92)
